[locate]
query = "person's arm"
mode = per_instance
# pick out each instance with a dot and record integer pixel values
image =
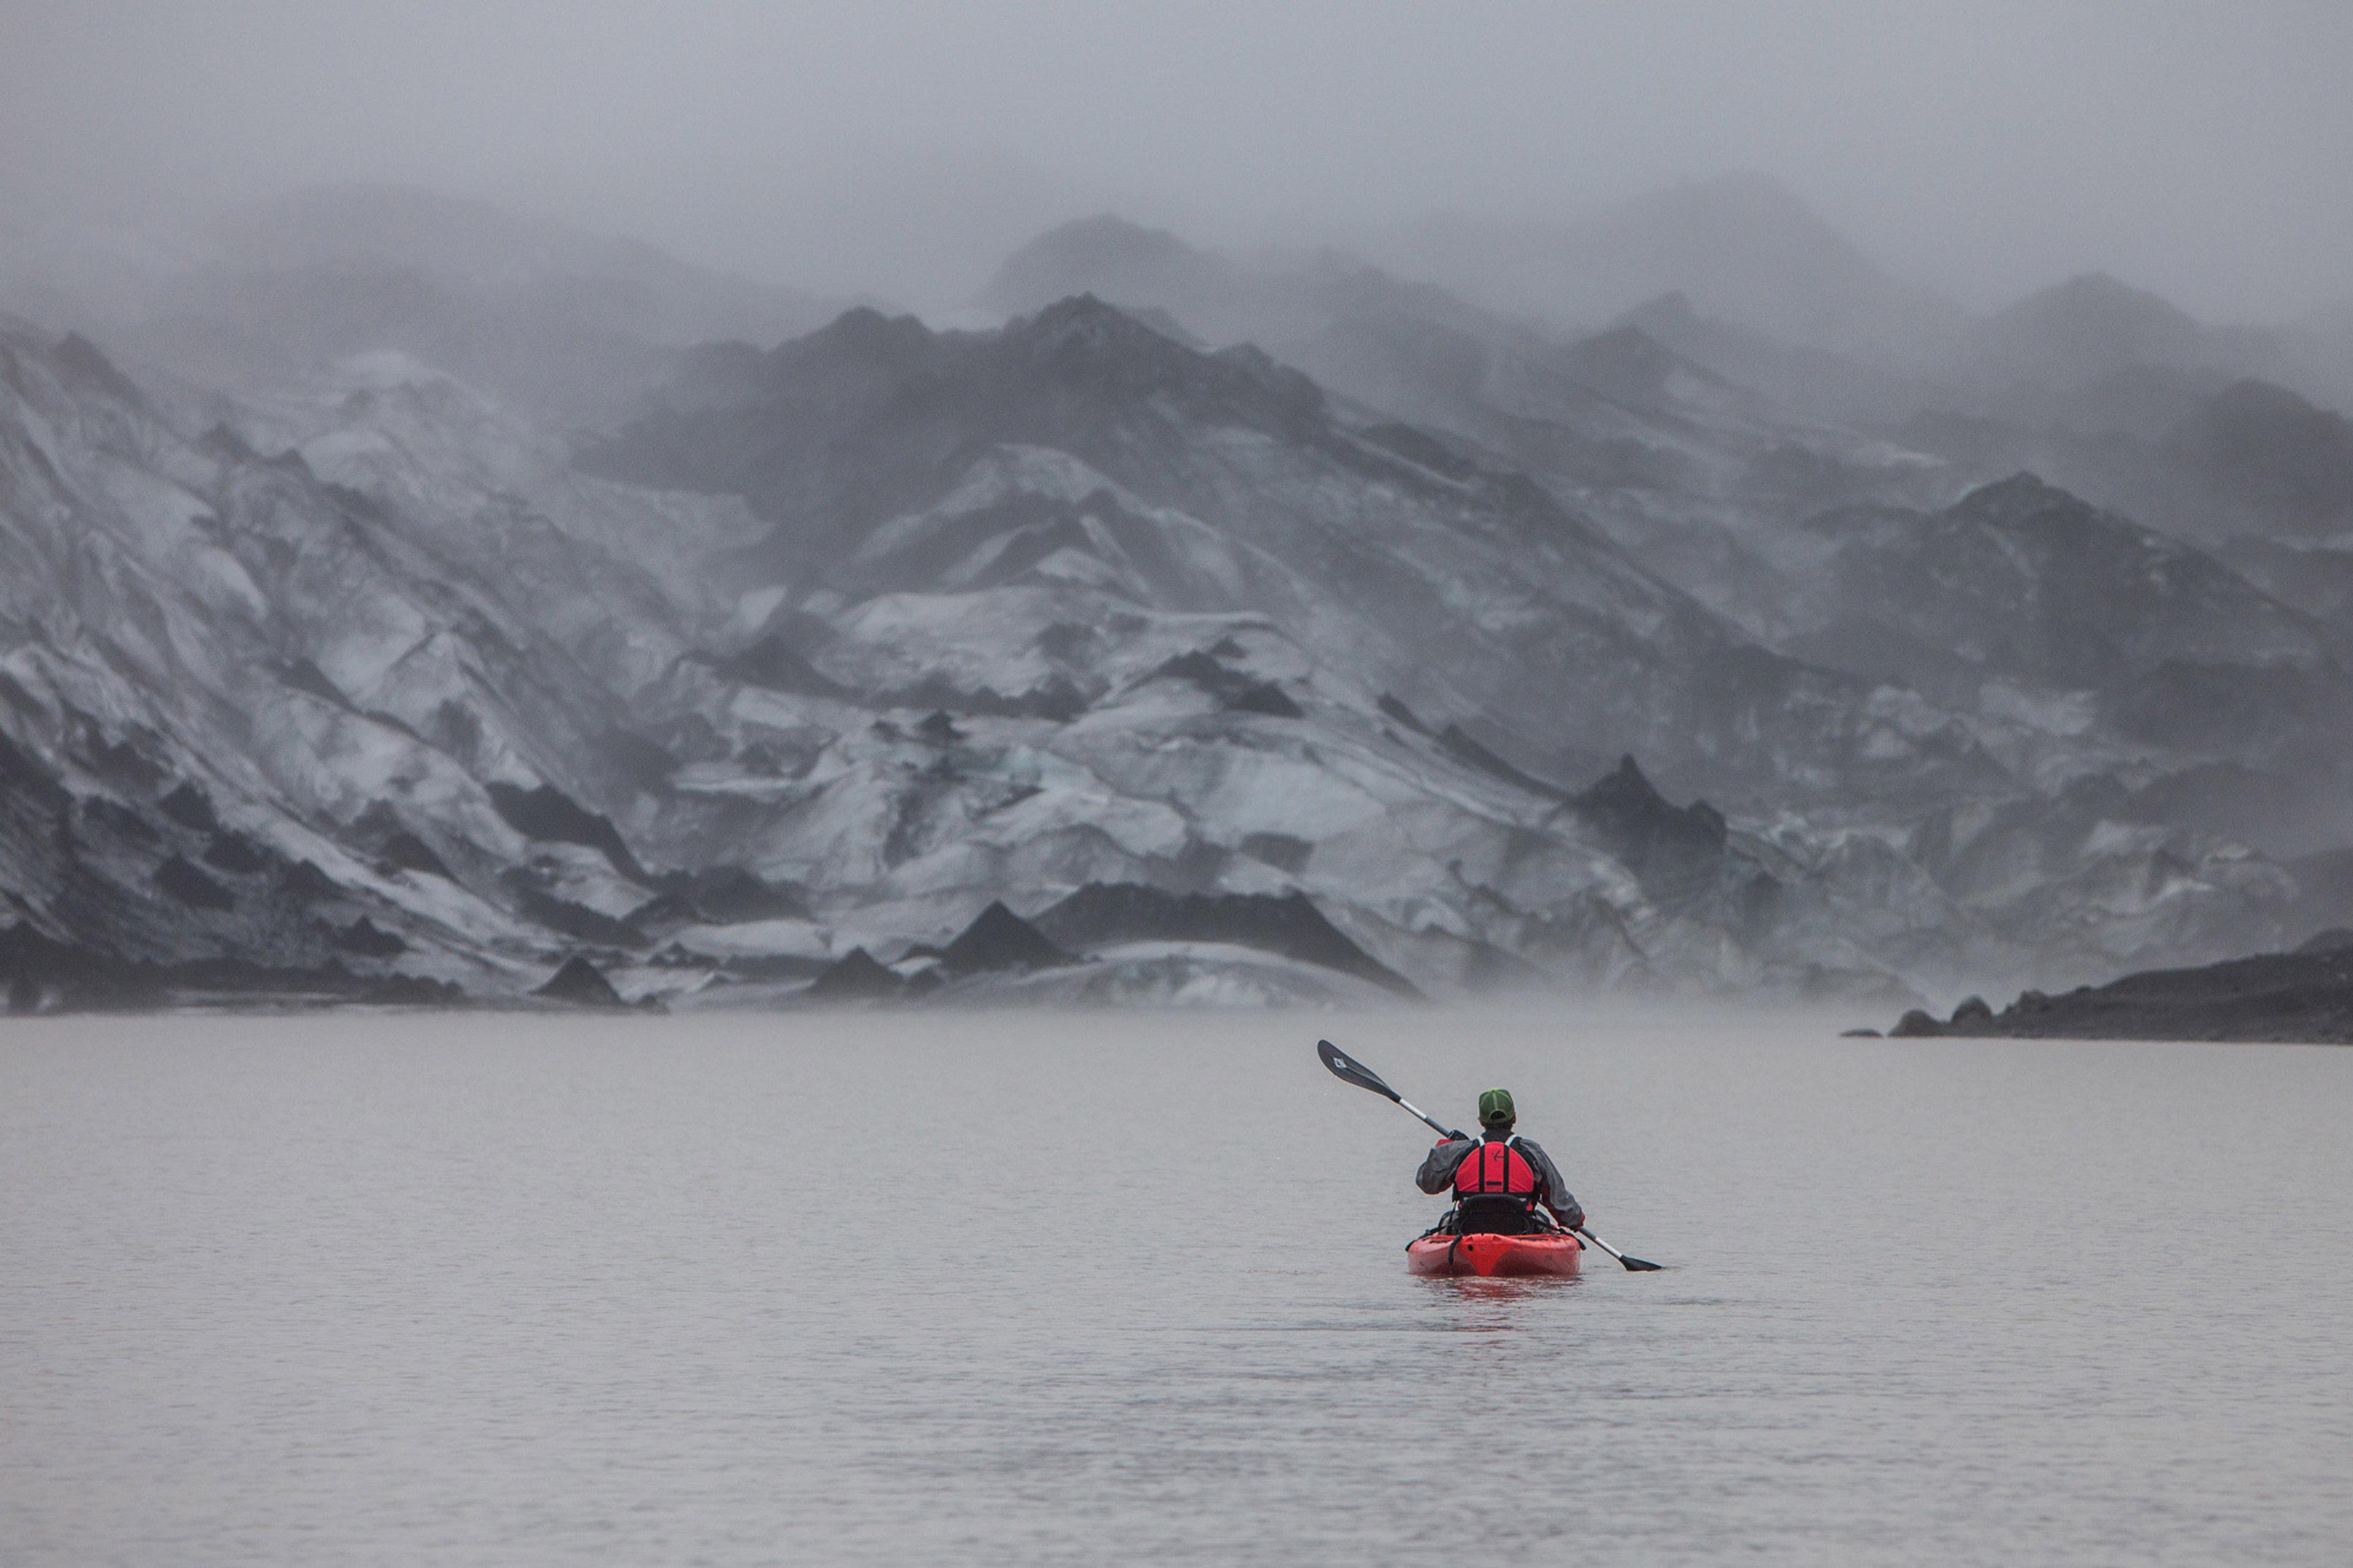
(1437, 1167)
(1556, 1195)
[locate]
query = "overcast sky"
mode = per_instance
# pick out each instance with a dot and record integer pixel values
(898, 147)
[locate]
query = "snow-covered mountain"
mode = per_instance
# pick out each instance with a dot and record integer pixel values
(1079, 659)
(1238, 489)
(410, 694)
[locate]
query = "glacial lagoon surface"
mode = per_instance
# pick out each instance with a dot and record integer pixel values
(1088, 1288)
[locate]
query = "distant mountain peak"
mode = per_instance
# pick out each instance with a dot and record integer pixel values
(1105, 255)
(1084, 323)
(2025, 498)
(862, 335)
(864, 326)
(1111, 236)
(1083, 312)
(2103, 295)
(1086, 341)
(2089, 326)
(2250, 395)
(2021, 486)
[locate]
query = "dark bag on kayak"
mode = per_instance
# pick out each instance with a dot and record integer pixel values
(1493, 1216)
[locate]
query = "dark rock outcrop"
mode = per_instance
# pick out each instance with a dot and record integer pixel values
(181, 880)
(1000, 941)
(31, 960)
(1455, 739)
(1678, 853)
(303, 882)
(365, 939)
(1394, 707)
(1633, 816)
(1054, 697)
(856, 977)
(191, 808)
(730, 895)
(21, 774)
(1236, 691)
(381, 829)
(776, 665)
(581, 983)
(236, 854)
(403, 851)
(1280, 850)
(548, 813)
(720, 895)
(573, 920)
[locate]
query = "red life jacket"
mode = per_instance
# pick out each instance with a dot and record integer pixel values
(1496, 1170)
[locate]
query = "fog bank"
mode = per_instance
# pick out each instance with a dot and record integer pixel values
(1984, 149)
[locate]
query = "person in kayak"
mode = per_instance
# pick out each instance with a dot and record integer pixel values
(1499, 1179)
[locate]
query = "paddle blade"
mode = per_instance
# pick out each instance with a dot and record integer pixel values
(1348, 1069)
(1637, 1266)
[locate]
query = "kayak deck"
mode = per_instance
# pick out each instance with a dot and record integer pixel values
(1553, 1253)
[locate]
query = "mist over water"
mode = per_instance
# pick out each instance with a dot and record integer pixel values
(1019, 1289)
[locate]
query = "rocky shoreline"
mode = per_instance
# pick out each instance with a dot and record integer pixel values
(2288, 998)
(1107, 942)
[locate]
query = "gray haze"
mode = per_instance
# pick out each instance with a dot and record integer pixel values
(1984, 149)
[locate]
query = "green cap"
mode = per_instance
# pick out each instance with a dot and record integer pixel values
(1495, 1109)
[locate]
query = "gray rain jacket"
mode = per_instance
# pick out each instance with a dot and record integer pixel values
(1437, 1173)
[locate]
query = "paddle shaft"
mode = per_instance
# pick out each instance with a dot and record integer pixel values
(1436, 1126)
(1609, 1249)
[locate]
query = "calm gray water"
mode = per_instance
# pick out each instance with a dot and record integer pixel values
(1105, 1289)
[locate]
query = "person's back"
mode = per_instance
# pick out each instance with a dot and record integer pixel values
(1499, 1180)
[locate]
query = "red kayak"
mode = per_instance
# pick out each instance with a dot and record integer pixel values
(1546, 1252)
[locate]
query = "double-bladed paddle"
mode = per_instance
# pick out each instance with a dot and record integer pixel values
(1348, 1069)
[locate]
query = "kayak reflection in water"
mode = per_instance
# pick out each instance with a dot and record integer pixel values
(1501, 1182)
